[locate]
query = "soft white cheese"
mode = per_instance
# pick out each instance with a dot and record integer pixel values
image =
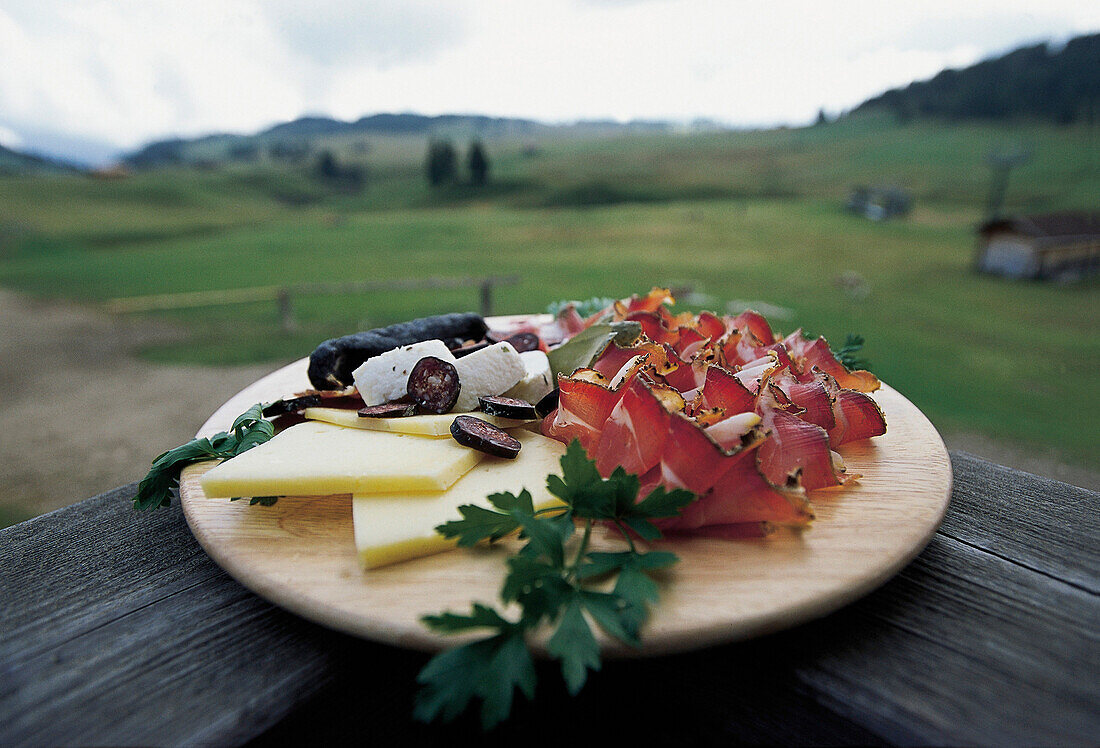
(537, 381)
(490, 371)
(385, 377)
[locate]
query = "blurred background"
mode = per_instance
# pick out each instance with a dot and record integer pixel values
(193, 194)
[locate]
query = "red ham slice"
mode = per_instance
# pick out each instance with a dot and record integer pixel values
(583, 409)
(795, 450)
(741, 495)
(755, 323)
(634, 433)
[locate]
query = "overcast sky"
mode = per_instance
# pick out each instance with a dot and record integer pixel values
(127, 71)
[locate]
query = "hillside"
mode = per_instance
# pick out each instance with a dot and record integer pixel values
(1036, 82)
(292, 141)
(16, 162)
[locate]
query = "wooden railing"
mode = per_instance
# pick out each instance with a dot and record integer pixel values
(283, 295)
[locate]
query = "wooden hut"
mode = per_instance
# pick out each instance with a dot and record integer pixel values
(1058, 246)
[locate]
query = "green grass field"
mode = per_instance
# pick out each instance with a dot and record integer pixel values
(752, 216)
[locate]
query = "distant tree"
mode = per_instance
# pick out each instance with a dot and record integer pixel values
(822, 118)
(442, 163)
(479, 164)
(327, 168)
(346, 177)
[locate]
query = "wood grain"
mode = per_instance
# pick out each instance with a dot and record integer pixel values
(300, 553)
(117, 629)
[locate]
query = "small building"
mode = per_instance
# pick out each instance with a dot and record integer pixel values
(1055, 246)
(879, 203)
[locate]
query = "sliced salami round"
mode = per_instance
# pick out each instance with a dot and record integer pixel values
(395, 409)
(484, 437)
(547, 404)
(433, 384)
(507, 407)
(524, 341)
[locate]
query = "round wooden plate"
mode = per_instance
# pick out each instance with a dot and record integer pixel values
(300, 553)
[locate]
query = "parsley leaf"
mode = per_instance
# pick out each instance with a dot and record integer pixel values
(847, 354)
(248, 430)
(548, 579)
(574, 645)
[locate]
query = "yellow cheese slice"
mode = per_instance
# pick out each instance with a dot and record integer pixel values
(396, 527)
(432, 425)
(315, 458)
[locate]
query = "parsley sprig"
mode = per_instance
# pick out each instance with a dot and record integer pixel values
(552, 580)
(848, 353)
(250, 429)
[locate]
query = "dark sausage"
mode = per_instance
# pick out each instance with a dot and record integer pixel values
(333, 362)
(433, 385)
(484, 437)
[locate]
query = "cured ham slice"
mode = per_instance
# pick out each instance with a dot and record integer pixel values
(654, 327)
(720, 407)
(795, 451)
(756, 324)
(692, 459)
(583, 410)
(816, 353)
(741, 495)
(612, 360)
(710, 326)
(723, 390)
(814, 398)
(689, 343)
(857, 416)
(651, 302)
(634, 433)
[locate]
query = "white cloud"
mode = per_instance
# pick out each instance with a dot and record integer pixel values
(9, 138)
(127, 70)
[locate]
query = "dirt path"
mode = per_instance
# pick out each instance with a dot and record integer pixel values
(80, 414)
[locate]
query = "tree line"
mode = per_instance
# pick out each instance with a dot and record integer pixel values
(1060, 85)
(442, 163)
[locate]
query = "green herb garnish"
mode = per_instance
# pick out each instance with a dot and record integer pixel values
(587, 345)
(585, 308)
(551, 579)
(847, 354)
(250, 429)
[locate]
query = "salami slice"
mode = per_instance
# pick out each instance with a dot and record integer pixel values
(484, 437)
(524, 341)
(548, 404)
(433, 384)
(395, 409)
(507, 407)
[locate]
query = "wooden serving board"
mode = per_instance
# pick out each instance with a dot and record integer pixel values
(300, 553)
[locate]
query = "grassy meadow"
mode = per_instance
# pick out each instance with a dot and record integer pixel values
(736, 217)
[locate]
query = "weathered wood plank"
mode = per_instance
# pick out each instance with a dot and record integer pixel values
(1048, 526)
(116, 628)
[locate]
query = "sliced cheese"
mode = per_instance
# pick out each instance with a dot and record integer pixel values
(315, 458)
(429, 425)
(396, 527)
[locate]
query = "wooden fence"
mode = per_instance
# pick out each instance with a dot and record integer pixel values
(283, 295)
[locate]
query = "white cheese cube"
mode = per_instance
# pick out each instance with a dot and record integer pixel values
(537, 381)
(490, 371)
(385, 377)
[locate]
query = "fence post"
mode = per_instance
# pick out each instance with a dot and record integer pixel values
(487, 297)
(286, 311)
